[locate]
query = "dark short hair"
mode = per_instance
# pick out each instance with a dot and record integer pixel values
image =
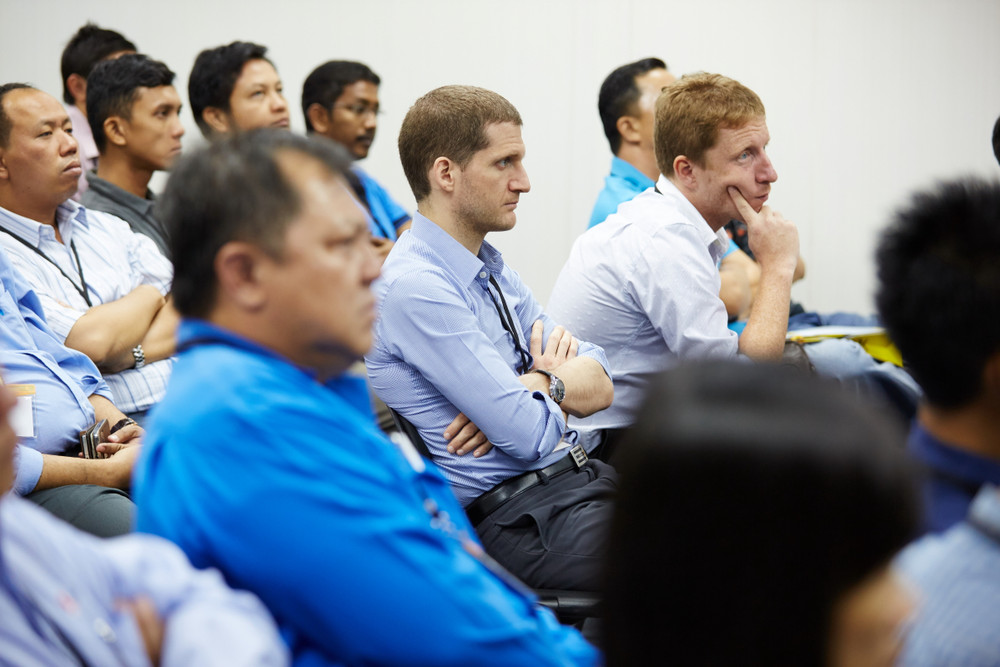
(90, 45)
(214, 76)
(448, 122)
(326, 83)
(619, 94)
(233, 189)
(113, 88)
(751, 499)
(939, 287)
(996, 139)
(5, 122)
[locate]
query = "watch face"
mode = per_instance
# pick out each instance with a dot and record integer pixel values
(557, 390)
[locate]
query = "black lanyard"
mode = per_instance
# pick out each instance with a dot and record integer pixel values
(82, 288)
(508, 324)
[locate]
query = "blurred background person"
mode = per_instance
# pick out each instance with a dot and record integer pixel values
(757, 515)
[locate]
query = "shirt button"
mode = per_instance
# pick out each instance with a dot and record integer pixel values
(482, 274)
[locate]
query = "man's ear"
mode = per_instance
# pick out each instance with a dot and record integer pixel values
(114, 130)
(442, 174)
(238, 267)
(319, 118)
(4, 174)
(628, 128)
(77, 88)
(217, 119)
(684, 171)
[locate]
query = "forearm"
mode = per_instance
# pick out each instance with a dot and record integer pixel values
(735, 291)
(763, 338)
(160, 341)
(105, 409)
(107, 333)
(588, 387)
(65, 470)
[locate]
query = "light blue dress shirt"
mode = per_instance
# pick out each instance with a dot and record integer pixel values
(115, 261)
(63, 378)
(440, 349)
(56, 580)
(957, 576)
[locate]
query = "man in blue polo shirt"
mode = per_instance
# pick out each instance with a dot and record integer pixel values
(277, 474)
(340, 102)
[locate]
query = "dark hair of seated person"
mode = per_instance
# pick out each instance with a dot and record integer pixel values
(751, 500)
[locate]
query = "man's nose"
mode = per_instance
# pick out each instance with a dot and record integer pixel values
(767, 172)
(69, 144)
(278, 102)
(520, 182)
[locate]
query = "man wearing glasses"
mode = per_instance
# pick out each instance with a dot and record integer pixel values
(340, 102)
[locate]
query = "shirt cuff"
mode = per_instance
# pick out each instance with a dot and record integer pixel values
(27, 469)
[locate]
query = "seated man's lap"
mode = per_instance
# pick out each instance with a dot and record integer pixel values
(554, 535)
(99, 510)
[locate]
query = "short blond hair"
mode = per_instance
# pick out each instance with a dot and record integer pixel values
(691, 111)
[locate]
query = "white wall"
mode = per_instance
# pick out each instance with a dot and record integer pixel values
(866, 99)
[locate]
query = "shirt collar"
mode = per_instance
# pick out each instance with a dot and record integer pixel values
(716, 241)
(142, 205)
(34, 231)
(953, 461)
(466, 266)
(627, 172)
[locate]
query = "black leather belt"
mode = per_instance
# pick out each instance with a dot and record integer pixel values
(507, 490)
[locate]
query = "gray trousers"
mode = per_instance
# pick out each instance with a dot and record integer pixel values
(554, 535)
(93, 509)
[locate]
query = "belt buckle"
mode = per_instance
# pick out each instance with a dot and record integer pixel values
(579, 455)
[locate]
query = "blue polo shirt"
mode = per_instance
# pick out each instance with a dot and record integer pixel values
(357, 547)
(622, 184)
(953, 478)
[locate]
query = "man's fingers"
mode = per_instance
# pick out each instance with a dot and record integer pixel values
(472, 441)
(552, 347)
(744, 207)
(482, 449)
(455, 426)
(574, 347)
(565, 343)
(535, 347)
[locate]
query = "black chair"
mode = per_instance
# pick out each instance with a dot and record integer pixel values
(570, 607)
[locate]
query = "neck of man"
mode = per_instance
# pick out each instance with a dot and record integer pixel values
(115, 167)
(974, 427)
(715, 223)
(32, 209)
(256, 325)
(641, 159)
(457, 228)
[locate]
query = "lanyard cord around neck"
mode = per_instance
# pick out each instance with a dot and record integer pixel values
(508, 324)
(82, 287)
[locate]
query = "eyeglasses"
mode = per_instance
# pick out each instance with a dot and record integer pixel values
(360, 110)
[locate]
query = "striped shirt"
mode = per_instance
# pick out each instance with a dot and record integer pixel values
(115, 261)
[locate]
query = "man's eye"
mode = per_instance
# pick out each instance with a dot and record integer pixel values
(503, 163)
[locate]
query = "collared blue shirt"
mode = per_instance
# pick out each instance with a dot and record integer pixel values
(440, 349)
(115, 261)
(63, 379)
(385, 215)
(54, 576)
(957, 580)
(622, 184)
(362, 554)
(954, 475)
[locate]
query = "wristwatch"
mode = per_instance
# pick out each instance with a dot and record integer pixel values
(139, 356)
(557, 390)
